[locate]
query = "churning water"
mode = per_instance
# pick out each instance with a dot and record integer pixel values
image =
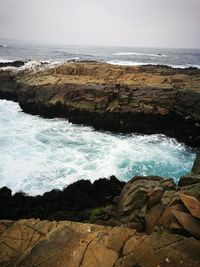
(37, 154)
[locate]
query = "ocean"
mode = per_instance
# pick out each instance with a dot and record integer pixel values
(182, 58)
(38, 155)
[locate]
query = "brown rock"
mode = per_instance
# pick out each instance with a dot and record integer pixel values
(196, 166)
(168, 217)
(170, 197)
(189, 179)
(154, 198)
(136, 192)
(192, 204)
(71, 244)
(152, 217)
(189, 223)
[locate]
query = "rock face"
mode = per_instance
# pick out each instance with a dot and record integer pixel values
(7, 85)
(56, 244)
(150, 204)
(150, 99)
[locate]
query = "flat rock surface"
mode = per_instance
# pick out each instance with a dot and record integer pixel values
(148, 99)
(55, 244)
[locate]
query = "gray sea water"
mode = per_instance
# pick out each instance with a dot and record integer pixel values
(15, 50)
(37, 154)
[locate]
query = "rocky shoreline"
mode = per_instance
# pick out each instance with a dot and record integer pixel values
(144, 203)
(147, 99)
(149, 221)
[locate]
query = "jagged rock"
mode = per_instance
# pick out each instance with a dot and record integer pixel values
(167, 218)
(192, 204)
(135, 194)
(170, 197)
(5, 192)
(190, 224)
(191, 190)
(196, 166)
(56, 244)
(189, 179)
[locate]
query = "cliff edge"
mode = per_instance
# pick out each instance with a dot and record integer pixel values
(145, 99)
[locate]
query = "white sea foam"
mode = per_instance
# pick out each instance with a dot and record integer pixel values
(128, 63)
(133, 63)
(3, 60)
(33, 65)
(37, 155)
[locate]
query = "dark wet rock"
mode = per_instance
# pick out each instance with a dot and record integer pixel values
(189, 179)
(8, 85)
(17, 64)
(5, 192)
(148, 99)
(196, 166)
(72, 203)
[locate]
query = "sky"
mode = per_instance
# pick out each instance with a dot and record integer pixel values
(143, 23)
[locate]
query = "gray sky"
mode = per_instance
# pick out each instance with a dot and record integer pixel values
(153, 23)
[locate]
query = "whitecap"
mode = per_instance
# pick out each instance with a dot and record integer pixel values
(134, 63)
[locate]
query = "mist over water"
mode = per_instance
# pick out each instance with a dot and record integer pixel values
(37, 155)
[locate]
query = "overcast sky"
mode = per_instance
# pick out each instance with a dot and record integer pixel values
(147, 23)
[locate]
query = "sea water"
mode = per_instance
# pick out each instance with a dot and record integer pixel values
(15, 50)
(37, 154)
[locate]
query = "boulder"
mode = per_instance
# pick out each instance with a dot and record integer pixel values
(192, 204)
(134, 197)
(189, 179)
(189, 223)
(196, 166)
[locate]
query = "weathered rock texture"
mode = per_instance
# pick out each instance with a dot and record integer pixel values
(152, 203)
(149, 99)
(146, 204)
(55, 244)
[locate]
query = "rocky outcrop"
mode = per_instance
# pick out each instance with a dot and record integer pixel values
(152, 203)
(146, 204)
(149, 99)
(16, 64)
(8, 85)
(56, 244)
